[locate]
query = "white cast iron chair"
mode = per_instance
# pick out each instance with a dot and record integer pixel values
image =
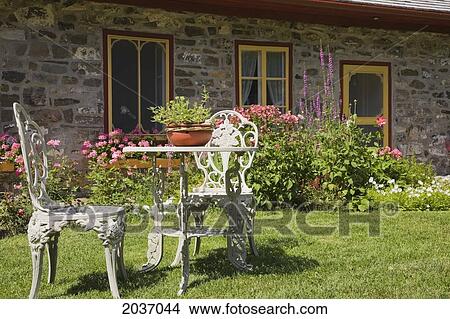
(49, 217)
(232, 130)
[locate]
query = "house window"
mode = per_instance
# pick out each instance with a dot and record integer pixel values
(138, 77)
(366, 93)
(263, 74)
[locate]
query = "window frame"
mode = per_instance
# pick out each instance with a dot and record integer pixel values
(348, 66)
(263, 47)
(167, 39)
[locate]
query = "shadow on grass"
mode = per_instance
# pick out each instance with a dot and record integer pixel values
(272, 259)
(99, 281)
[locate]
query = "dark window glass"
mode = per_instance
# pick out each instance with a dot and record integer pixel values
(367, 90)
(153, 83)
(251, 92)
(124, 85)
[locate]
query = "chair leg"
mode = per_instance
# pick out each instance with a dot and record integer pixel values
(36, 257)
(52, 252)
(155, 241)
(120, 262)
(198, 218)
(111, 262)
(111, 232)
(177, 260)
(250, 210)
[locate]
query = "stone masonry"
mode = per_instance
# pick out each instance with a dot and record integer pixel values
(51, 61)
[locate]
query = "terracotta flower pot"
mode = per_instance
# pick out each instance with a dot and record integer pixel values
(189, 134)
(6, 167)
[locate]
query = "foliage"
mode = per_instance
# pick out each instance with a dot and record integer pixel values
(10, 151)
(112, 186)
(434, 195)
(179, 111)
(15, 212)
(320, 157)
(108, 148)
(63, 185)
(282, 168)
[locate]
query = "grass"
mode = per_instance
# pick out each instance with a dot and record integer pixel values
(410, 259)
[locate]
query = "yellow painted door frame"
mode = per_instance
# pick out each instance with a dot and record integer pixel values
(382, 70)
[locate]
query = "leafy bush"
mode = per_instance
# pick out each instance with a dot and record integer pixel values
(179, 111)
(113, 186)
(15, 212)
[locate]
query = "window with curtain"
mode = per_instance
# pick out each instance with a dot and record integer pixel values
(366, 94)
(138, 71)
(263, 75)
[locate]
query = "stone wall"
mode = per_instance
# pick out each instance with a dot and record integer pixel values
(51, 61)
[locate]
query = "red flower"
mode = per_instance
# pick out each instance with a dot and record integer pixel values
(381, 121)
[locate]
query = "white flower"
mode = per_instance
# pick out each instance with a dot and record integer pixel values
(371, 180)
(420, 183)
(392, 181)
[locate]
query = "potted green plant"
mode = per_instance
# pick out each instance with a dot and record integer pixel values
(186, 125)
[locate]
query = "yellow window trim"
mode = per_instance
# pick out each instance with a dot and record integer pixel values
(111, 39)
(350, 69)
(264, 78)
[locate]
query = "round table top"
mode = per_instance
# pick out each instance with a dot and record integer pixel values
(187, 149)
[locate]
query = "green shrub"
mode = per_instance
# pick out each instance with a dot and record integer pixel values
(15, 212)
(113, 186)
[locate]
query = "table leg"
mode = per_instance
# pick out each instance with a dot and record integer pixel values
(184, 217)
(155, 237)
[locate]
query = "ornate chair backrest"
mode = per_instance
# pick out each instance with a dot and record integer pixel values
(231, 130)
(34, 155)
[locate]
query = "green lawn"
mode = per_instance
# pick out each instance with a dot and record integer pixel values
(411, 259)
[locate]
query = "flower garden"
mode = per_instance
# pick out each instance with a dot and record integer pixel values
(306, 162)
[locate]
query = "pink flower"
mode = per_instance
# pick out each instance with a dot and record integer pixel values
(101, 144)
(21, 212)
(87, 144)
(121, 145)
(126, 139)
(18, 186)
(114, 160)
(144, 143)
(116, 132)
(396, 153)
(56, 165)
(113, 149)
(131, 144)
(19, 159)
(116, 154)
(129, 173)
(92, 154)
(116, 141)
(144, 157)
(85, 151)
(15, 146)
(103, 137)
(5, 147)
(381, 121)
(19, 171)
(54, 143)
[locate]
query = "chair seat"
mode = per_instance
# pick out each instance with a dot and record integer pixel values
(72, 213)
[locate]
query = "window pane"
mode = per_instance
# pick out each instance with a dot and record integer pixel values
(124, 85)
(367, 90)
(250, 63)
(153, 83)
(275, 92)
(275, 64)
(251, 92)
